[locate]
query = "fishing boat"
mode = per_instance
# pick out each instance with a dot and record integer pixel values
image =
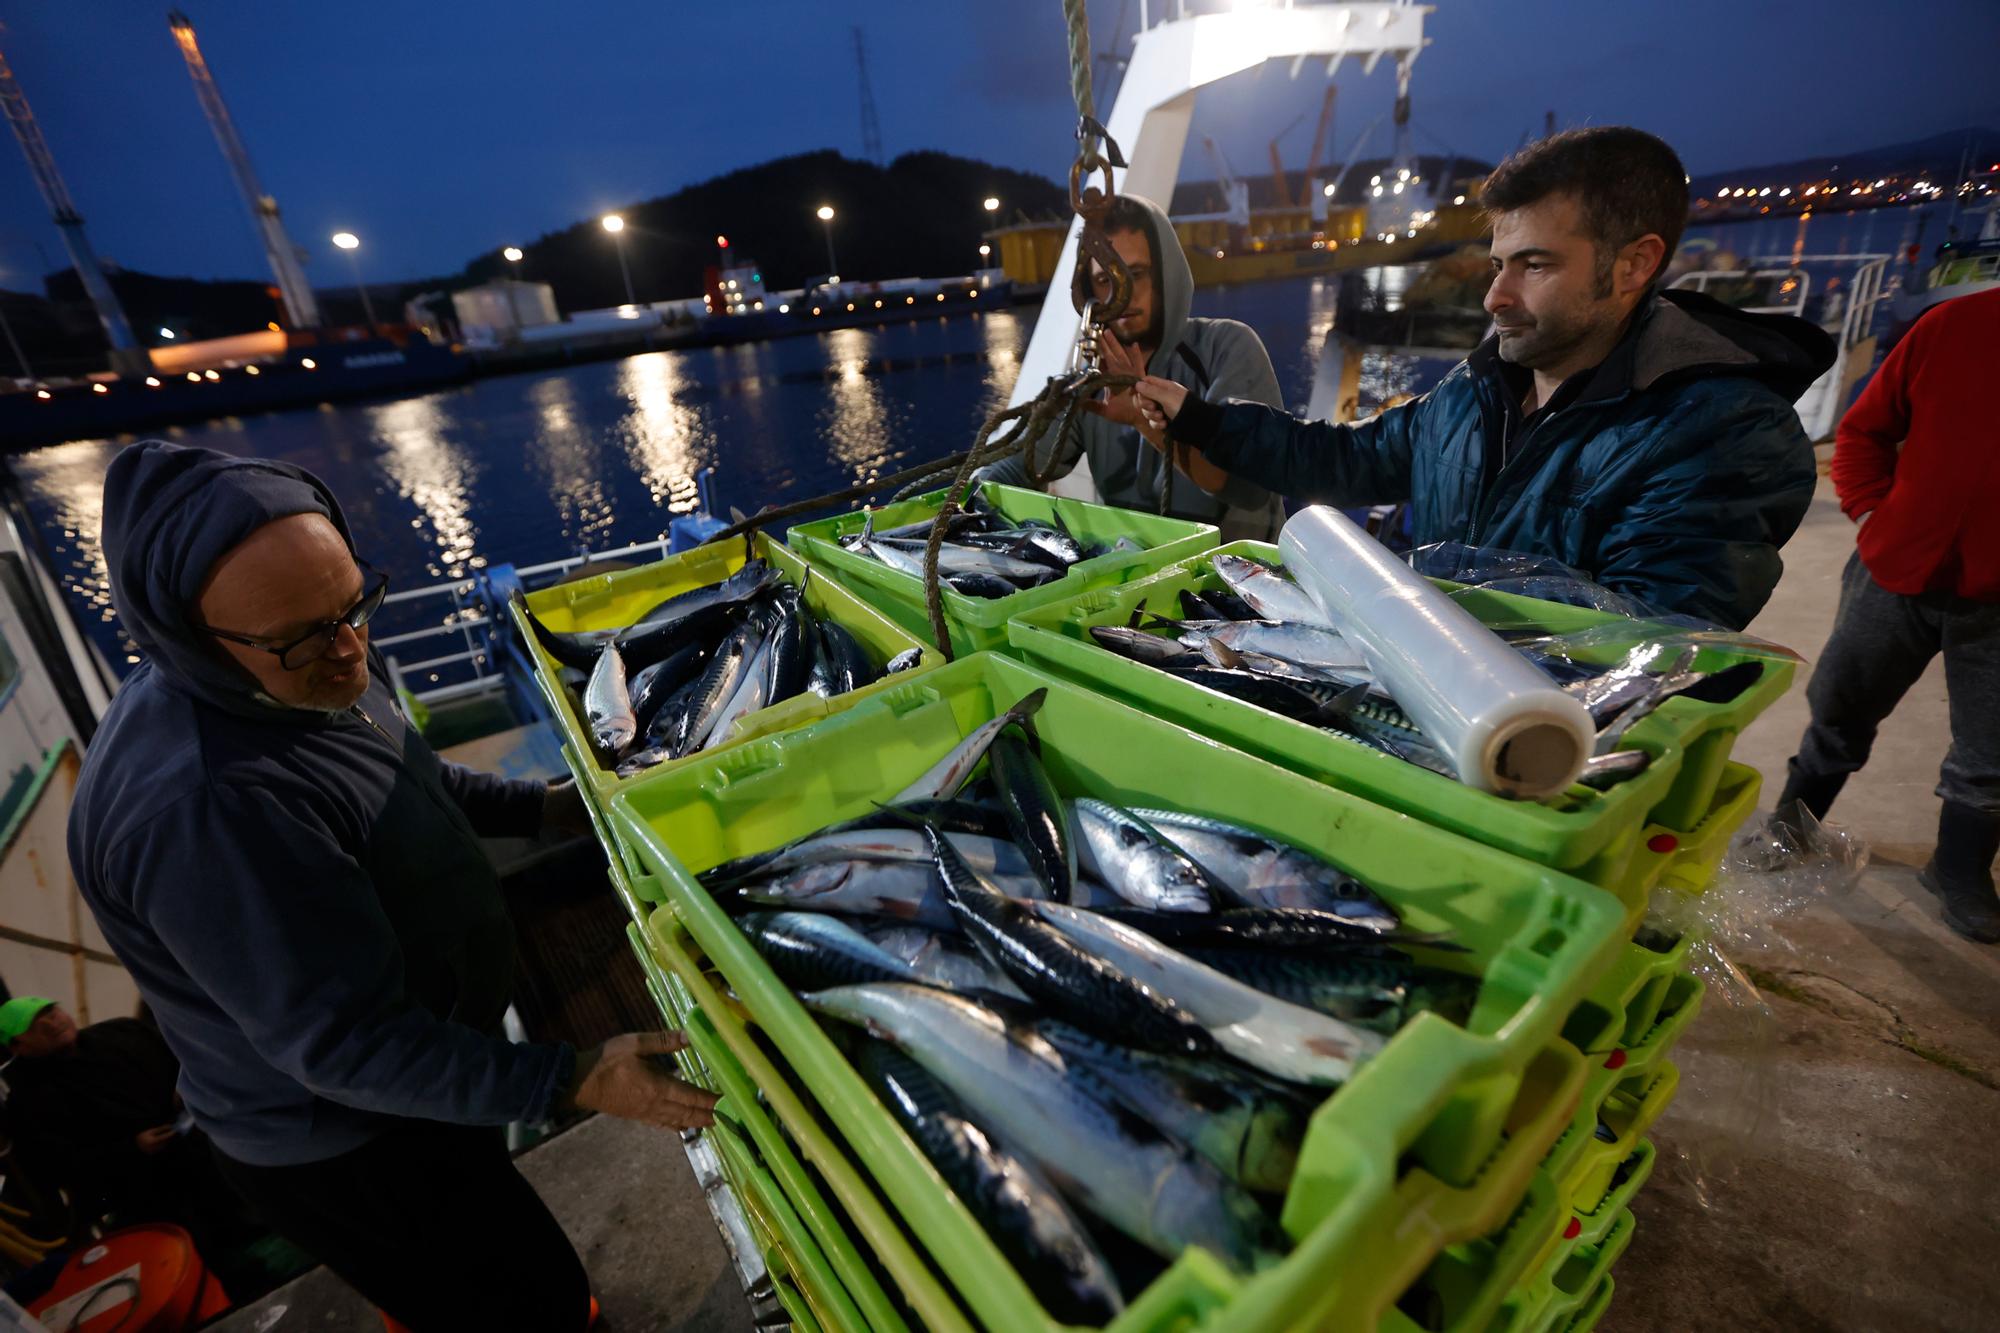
(1843, 294)
(1958, 268)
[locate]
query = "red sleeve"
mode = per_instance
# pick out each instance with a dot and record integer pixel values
(1866, 442)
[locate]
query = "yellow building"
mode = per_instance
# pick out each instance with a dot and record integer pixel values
(1278, 243)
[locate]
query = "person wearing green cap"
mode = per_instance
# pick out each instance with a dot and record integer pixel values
(18, 1015)
(93, 1110)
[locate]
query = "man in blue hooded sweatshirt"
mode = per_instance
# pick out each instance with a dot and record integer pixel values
(295, 881)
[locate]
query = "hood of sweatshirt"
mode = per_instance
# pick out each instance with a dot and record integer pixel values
(170, 512)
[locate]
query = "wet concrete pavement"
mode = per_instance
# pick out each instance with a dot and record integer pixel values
(1833, 1165)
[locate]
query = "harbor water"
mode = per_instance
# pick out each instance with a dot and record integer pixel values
(541, 465)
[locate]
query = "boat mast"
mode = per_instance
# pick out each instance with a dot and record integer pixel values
(127, 357)
(300, 306)
(1170, 61)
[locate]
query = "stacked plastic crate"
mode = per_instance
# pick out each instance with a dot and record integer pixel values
(1669, 827)
(1469, 1176)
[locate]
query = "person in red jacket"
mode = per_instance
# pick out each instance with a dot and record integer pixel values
(1916, 463)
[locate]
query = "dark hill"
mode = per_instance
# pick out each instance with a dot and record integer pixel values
(919, 216)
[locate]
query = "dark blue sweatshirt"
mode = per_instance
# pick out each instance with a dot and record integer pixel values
(300, 896)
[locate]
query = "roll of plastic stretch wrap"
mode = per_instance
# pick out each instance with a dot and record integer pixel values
(1504, 726)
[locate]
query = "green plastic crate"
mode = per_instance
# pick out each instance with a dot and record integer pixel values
(793, 1302)
(1691, 858)
(816, 1238)
(1631, 1111)
(608, 600)
(1620, 1067)
(1466, 1286)
(1581, 1289)
(1597, 836)
(1595, 1306)
(859, 1220)
(773, 1217)
(1625, 1004)
(977, 623)
(1527, 1306)
(1435, 1140)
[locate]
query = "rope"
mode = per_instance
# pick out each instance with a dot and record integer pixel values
(1059, 399)
(1078, 16)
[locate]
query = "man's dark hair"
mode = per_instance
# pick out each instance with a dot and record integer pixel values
(1627, 183)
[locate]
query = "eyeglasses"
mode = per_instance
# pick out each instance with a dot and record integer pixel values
(316, 642)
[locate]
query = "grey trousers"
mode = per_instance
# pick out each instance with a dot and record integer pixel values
(1880, 645)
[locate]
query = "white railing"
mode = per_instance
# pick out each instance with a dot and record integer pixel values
(460, 639)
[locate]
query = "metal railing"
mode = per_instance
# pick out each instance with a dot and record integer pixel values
(461, 645)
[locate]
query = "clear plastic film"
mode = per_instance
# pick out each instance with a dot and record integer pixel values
(1499, 570)
(1503, 725)
(1775, 871)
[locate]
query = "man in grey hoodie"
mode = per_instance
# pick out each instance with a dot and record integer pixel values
(294, 879)
(1219, 359)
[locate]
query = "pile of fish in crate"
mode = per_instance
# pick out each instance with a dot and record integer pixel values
(1086, 981)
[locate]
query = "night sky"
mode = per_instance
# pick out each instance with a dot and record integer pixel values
(440, 130)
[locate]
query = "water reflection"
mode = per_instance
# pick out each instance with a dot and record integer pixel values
(1002, 336)
(856, 420)
(528, 468)
(568, 459)
(69, 479)
(667, 439)
(434, 474)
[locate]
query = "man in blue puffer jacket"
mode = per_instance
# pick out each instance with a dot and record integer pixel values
(1644, 437)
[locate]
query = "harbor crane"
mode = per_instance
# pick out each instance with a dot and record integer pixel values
(127, 356)
(301, 308)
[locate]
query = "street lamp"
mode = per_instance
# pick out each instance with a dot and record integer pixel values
(616, 226)
(348, 241)
(992, 206)
(512, 254)
(832, 266)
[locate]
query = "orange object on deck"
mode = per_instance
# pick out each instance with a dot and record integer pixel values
(145, 1279)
